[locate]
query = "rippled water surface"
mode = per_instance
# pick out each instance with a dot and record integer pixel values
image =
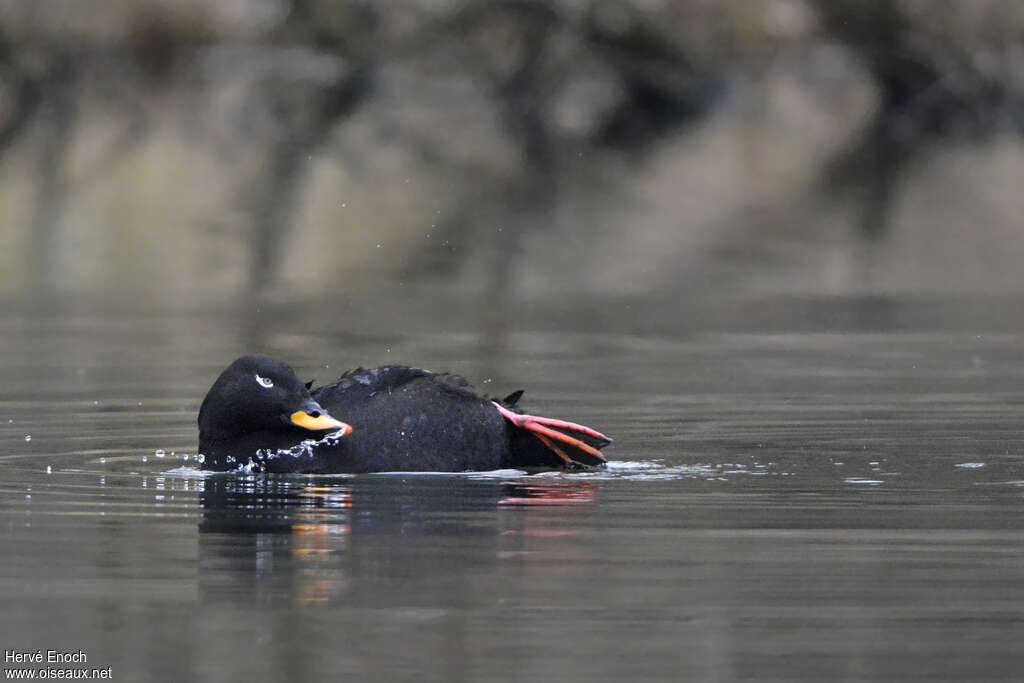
(827, 503)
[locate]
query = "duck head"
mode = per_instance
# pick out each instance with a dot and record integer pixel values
(258, 395)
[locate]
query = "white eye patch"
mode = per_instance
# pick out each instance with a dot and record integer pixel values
(264, 381)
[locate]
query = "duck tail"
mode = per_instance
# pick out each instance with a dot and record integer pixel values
(574, 444)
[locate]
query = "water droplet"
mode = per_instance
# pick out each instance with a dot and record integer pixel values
(103, 461)
(378, 245)
(28, 437)
(49, 470)
(159, 453)
(343, 205)
(145, 459)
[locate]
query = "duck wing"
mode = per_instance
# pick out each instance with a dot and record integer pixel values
(363, 383)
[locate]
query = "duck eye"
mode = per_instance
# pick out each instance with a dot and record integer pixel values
(265, 381)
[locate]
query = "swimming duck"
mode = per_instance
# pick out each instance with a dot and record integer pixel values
(260, 417)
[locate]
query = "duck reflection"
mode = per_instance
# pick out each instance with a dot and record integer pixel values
(306, 540)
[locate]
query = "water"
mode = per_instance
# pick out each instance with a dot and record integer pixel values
(787, 501)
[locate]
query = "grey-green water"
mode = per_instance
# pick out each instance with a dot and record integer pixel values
(842, 500)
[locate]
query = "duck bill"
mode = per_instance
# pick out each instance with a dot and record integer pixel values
(322, 422)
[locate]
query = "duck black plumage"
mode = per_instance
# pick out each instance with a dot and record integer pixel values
(259, 416)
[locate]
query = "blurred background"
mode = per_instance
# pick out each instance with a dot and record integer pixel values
(597, 162)
(772, 247)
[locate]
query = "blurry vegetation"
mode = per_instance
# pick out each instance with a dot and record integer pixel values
(941, 74)
(186, 150)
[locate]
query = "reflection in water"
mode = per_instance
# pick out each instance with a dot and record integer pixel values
(307, 541)
(795, 500)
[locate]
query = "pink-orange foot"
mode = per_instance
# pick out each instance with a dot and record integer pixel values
(561, 436)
